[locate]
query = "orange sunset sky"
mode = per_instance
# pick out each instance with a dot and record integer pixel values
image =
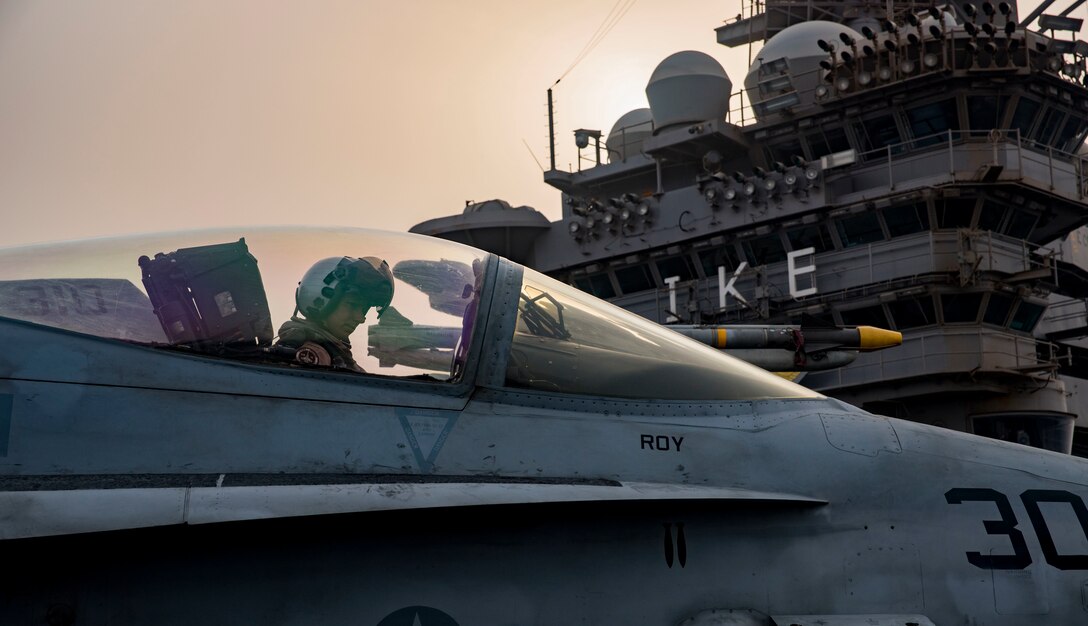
(126, 116)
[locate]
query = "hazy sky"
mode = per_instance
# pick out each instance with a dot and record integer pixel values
(122, 116)
(145, 115)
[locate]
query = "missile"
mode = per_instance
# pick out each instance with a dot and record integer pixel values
(863, 338)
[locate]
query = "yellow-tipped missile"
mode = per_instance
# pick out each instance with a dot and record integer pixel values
(864, 338)
(793, 348)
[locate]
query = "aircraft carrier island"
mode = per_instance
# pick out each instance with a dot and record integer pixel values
(902, 165)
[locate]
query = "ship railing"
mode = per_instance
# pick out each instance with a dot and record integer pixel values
(975, 155)
(949, 350)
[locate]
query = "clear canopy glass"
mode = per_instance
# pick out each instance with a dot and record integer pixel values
(99, 287)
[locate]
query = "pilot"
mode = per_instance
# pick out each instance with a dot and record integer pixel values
(332, 299)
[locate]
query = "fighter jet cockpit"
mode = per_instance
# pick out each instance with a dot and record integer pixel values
(363, 302)
(228, 294)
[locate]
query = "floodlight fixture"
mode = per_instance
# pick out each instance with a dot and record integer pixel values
(1060, 22)
(1059, 46)
(826, 47)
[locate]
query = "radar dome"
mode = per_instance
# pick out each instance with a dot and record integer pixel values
(688, 87)
(799, 45)
(625, 139)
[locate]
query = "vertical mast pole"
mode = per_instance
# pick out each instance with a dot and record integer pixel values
(551, 130)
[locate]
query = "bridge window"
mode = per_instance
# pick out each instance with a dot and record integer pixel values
(765, 250)
(877, 133)
(1072, 135)
(599, 285)
(955, 212)
(635, 278)
(960, 308)
(721, 256)
(1020, 224)
(997, 310)
(991, 216)
(865, 316)
(913, 313)
(930, 122)
(859, 229)
(1024, 117)
(1050, 124)
(1026, 316)
(985, 113)
(676, 266)
(815, 236)
(906, 219)
(827, 141)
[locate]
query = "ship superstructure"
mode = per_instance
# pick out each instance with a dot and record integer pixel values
(895, 164)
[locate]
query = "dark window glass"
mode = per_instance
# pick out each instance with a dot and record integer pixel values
(1050, 124)
(867, 316)
(997, 311)
(635, 278)
(933, 119)
(960, 307)
(676, 266)
(1026, 316)
(786, 152)
(878, 133)
(583, 284)
(602, 286)
(1025, 115)
(955, 212)
(913, 313)
(859, 229)
(985, 113)
(724, 256)
(1070, 136)
(1020, 224)
(764, 250)
(815, 236)
(906, 219)
(991, 216)
(827, 141)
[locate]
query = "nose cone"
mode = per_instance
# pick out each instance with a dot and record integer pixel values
(872, 338)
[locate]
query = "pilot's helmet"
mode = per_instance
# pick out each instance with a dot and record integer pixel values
(329, 280)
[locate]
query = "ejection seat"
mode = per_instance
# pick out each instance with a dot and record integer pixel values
(210, 299)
